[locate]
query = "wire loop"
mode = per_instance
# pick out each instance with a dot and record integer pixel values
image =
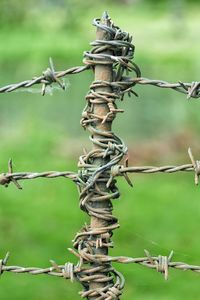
(196, 166)
(3, 263)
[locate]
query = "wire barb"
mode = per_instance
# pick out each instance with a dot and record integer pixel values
(50, 77)
(47, 78)
(196, 166)
(115, 170)
(113, 49)
(3, 263)
(69, 271)
(161, 263)
(193, 90)
(6, 178)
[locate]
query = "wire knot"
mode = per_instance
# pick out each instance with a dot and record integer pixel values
(6, 178)
(196, 166)
(193, 91)
(68, 271)
(3, 263)
(115, 170)
(50, 77)
(161, 263)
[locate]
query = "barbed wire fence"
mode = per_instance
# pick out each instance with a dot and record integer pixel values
(111, 60)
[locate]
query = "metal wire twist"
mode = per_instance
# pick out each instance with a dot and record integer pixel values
(114, 170)
(121, 83)
(120, 170)
(48, 77)
(76, 272)
(116, 51)
(7, 178)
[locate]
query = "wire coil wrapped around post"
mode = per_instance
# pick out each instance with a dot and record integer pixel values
(111, 60)
(114, 52)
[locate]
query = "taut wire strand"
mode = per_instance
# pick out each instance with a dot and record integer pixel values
(77, 272)
(7, 178)
(48, 77)
(117, 170)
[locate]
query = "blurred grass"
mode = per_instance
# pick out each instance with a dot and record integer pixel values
(161, 212)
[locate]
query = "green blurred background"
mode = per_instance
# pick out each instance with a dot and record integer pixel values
(161, 212)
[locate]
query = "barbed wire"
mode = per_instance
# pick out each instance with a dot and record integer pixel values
(117, 170)
(120, 170)
(98, 168)
(50, 76)
(70, 271)
(191, 89)
(7, 178)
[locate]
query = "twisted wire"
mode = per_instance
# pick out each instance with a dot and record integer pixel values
(76, 272)
(46, 174)
(116, 170)
(123, 58)
(153, 169)
(108, 150)
(192, 90)
(98, 168)
(7, 178)
(48, 77)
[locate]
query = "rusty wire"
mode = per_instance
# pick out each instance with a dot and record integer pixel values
(99, 167)
(115, 170)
